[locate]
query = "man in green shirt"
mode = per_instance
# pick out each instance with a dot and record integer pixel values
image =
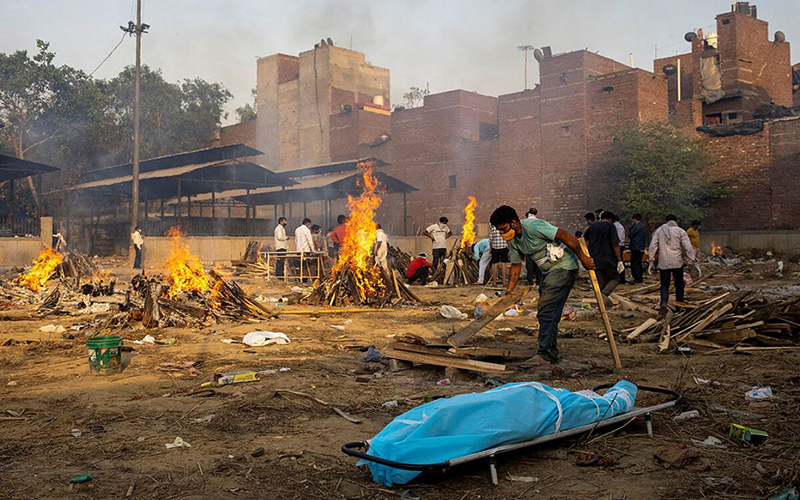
(556, 252)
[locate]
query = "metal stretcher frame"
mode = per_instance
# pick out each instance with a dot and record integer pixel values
(351, 448)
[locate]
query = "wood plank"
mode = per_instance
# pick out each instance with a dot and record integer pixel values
(410, 338)
(498, 352)
(663, 344)
(626, 302)
(430, 359)
(402, 346)
(705, 343)
(602, 306)
(731, 336)
(649, 322)
(706, 321)
(460, 337)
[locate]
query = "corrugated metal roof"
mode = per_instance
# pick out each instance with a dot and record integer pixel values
(17, 168)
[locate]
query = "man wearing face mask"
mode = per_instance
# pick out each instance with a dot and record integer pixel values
(556, 252)
(438, 233)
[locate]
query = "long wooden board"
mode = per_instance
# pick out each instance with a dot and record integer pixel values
(602, 306)
(460, 337)
(421, 349)
(437, 360)
(498, 352)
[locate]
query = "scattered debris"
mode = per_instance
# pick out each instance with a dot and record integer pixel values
(747, 435)
(178, 443)
(85, 478)
(758, 393)
(451, 312)
(709, 442)
(680, 457)
(687, 415)
(262, 338)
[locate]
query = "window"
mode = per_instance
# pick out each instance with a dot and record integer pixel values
(726, 22)
(452, 180)
(565, 130)
(607, 90)
(488, 131)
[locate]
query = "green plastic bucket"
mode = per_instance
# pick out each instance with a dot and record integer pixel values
(105, 355)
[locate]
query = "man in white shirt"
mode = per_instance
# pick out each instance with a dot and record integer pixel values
(138, 245)
(669, 245)
(621, 235)
(303, 240)
(438, 233)
(281, 245)
(381, 249)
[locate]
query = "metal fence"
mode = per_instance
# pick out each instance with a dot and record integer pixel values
(20, 226)
(206, 226)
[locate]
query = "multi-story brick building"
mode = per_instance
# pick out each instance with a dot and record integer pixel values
(543, 147)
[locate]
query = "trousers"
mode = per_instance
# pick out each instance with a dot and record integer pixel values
(554, 291)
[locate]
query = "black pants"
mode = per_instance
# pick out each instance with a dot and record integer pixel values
(622, 274)
(608, 279)
(421, 275)
(677, 276)
(534, 273)
(636, 265)
(438, 254)
(137, 260)
(279, 264)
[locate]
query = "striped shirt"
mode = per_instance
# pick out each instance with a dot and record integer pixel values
(668, 243)
(495, 240)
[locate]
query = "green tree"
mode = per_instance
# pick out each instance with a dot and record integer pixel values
(659, 171)
(415, 97)
(247, 112)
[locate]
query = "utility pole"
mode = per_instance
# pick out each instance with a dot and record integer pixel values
(525, 49)
(136, 30)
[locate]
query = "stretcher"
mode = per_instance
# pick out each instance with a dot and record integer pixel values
(360, 449)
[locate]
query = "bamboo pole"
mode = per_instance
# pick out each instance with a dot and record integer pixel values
(602, 305)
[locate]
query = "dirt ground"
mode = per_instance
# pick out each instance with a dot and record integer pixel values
(126, 419)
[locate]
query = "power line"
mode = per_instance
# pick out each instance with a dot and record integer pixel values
(109, 54)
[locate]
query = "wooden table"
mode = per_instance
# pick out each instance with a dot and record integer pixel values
(303, 261)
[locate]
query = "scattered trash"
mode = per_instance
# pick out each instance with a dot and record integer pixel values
(709, 442)
(229, 341)
(12, 383)
(148, 339)
(443, 382)
(346, 416)
(758, 393)
(372, 355)
(478, 312)
(16, 413)
(451, 312)
(786, 493)
(747, 434)
(685, 350)
(204, 420)
(681, 456)
(522, 479)
(98, 307)
(52, 329)
(178, 443)
(176, 367)
(76, 433)
(261, 338)
(297, 289)
(85, 478)
(432, 284)
(780, 268)
(513, 312)
(390, 404)
(594, 460)
(687, 415)
(239, 378)
(258, 452)
(284, 370)
(481, 298)
(341, 328)
(702, 381)
(409, 495)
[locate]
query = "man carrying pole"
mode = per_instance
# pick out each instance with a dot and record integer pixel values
(556, 252)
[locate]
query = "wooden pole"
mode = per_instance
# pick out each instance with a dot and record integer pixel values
(602, 305)
(136, 138)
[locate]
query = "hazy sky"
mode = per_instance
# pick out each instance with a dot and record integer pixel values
(444, 43)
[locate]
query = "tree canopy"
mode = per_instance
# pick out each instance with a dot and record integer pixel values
(657, 170)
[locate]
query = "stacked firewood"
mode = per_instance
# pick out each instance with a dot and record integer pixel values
(251, 253)
(725, 320)
(398, 259)
(459, 268)
(374, 287)
(75, 265)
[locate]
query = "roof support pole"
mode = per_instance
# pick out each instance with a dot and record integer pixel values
(12, 202)
(228, 231)
(178, 206)
(247, 212)
(162, 208)
(39, 196)
(405, 214)
(214, 210)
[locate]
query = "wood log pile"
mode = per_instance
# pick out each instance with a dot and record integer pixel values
(75, 265)
(726, 320)
(459, 268)
(373, 287)
(399, 260)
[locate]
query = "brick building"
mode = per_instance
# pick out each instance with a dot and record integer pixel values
(541, 147)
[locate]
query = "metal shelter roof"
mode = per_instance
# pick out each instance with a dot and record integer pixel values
(186, 180)
(17, 168)
(230, 152)
(323, 187)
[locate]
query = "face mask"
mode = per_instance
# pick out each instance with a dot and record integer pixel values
(508, 235)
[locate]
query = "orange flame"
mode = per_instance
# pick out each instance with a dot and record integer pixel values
(360, 231)
(468, 233)
(186, 273)
(715, 249)
(43, 267)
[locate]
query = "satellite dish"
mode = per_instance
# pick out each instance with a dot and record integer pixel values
(690, 36)
(537, 54)
(669, 69)
(780, 37)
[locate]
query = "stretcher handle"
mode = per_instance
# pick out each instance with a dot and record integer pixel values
(677, 397)
(350, 449)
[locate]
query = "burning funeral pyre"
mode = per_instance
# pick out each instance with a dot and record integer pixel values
(355, 278)
(459, 267)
